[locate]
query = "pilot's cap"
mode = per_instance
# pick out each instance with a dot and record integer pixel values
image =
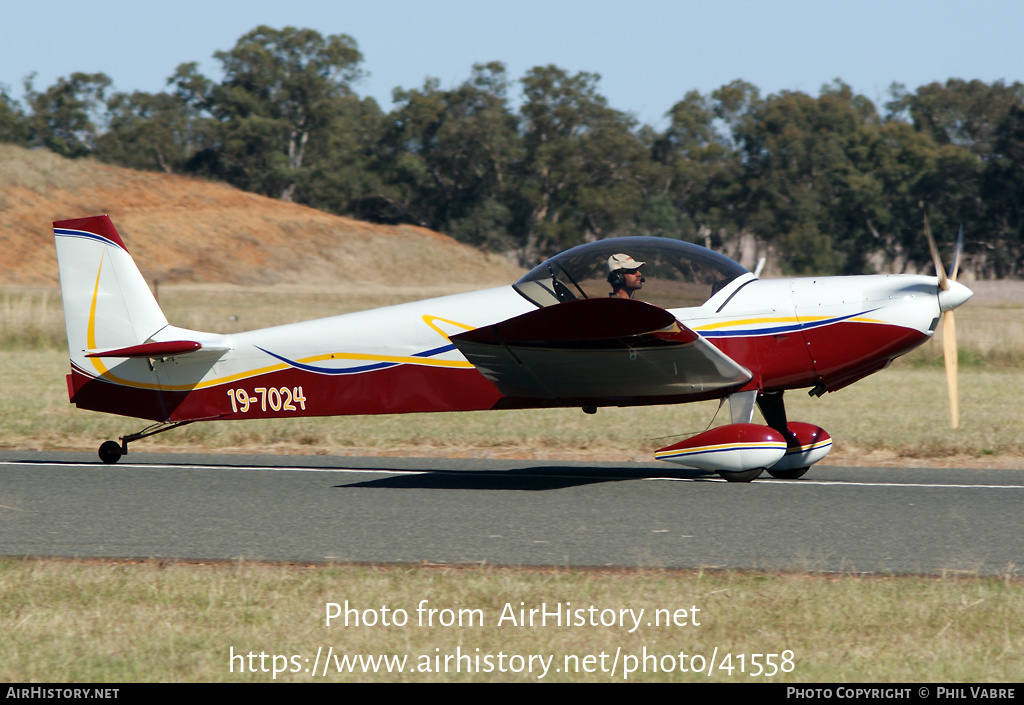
(621, 261)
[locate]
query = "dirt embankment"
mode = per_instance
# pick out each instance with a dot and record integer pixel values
(183, 230)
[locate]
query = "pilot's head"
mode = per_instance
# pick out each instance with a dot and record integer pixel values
(624, 275)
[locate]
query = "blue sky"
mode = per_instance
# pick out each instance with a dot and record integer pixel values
(649, 53)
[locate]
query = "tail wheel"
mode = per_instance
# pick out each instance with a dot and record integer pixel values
(110, 452)
(788, 474)
(740, 475)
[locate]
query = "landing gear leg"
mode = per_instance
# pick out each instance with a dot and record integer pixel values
(111, 451)
(773, 408)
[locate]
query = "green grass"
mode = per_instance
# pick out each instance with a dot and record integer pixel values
(179, 622)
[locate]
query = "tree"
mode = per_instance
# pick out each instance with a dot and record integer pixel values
(148, 131)
(13, 127)
(343, 176)
(449, 154)
(281, 90)
(578, 178)
(959, 112)
(797, 163)
(66, 118)
(1003, 191)
(705, 177)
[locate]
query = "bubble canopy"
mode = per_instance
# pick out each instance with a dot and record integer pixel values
(678, 274)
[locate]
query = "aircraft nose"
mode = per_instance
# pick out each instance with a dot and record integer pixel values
(954, 296)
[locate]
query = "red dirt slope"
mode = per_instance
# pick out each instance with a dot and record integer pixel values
(186, 230)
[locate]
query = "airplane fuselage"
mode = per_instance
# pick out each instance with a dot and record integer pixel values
(789, 333)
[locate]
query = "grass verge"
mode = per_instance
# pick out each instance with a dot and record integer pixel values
(183, 622)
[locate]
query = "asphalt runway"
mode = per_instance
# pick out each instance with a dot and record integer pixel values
(513, 512)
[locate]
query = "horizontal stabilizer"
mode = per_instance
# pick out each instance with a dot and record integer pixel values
(601, 350)
(154, 350)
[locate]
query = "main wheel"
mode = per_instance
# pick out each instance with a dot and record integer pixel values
(110, 452)
(740, 475)
(788, 474)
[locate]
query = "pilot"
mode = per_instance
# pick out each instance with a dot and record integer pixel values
(624, 275)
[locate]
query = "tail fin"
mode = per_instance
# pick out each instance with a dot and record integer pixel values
(107, 303)
(118, 337)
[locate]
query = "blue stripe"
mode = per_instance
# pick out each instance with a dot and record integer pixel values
(329, 370)
(85, 236)
(682, 453)
(817, 446)
(435, 351)
(354, 370)
(775, 330)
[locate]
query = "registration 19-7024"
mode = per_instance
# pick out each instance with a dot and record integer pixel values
(274, 398)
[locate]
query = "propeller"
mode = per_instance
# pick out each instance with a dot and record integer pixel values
(951, 295)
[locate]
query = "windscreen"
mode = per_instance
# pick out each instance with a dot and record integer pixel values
(677, 274)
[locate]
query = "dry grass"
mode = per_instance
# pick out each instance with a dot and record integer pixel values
(179, 622)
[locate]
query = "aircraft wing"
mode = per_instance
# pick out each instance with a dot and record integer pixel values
(596, 349)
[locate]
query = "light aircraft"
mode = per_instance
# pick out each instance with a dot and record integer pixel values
(706, 329)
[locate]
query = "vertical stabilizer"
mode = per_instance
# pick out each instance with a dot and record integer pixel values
(107, 303)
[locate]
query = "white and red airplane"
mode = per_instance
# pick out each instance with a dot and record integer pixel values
(707, 329)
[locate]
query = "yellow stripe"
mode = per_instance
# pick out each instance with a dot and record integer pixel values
(780, 320)
(752, 321)
(90, 333)
(722, 447)
(429, 320)
(398, 359)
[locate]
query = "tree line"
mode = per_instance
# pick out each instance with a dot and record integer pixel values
(826, 184)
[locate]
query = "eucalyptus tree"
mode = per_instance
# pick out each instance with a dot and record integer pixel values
(705, 177)
(280, 96)
(957, 112)
(149, 131)
(13, 127)
(796, 151)
(448, 155)
(67, 117)
(578, 176)
(1001, 249)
